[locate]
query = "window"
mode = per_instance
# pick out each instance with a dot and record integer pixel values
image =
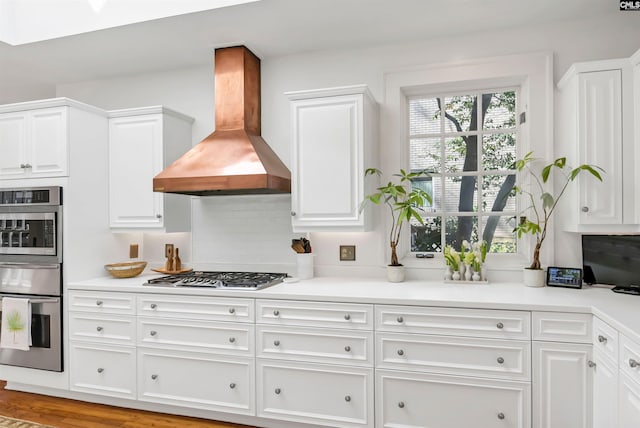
(467, 142)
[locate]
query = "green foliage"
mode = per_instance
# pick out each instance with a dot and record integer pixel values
(403, 200)
(542, 204)
(15, 322)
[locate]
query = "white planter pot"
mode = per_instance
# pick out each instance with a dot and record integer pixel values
(395, 273)
(533, 277)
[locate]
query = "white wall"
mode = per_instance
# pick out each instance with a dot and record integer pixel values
(191, 92)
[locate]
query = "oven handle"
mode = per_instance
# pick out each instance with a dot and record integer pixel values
(31, 300)
(30, 265)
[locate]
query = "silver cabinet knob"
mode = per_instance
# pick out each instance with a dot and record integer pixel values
(400, 352)
(232, 311)
(400, 319)
(347, 348)
(153, 306)
(347, 317)
(293, 213)
(500, 326)
(100, 370)
(276, 343)
(232, 339)
(153, 332)
(277, 391)
(232, 385)
(347, 398)
(585, 209)
(633, 363)
(500, 360)
(23, 166)
(401, 404)
(276, 312)
(591, 364)
(98, 302)
(28, 165)
(158, 215)
(602, 339)
(501, 416)
(154, 376)
(99, 328)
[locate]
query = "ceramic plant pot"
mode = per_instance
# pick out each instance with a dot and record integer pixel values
(533, 277)
(395, 273)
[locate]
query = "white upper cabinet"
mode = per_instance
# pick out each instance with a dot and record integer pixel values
(595, 127)
(34, 143)
(142, 142)
(334, 139)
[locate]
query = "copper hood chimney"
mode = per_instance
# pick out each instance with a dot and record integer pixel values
(234, 160)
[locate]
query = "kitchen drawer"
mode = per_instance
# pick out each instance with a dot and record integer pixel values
(428, 400)
(354, 347)
(109, 328)
(630, 358)
(330, 396)
(315, 314)
(465, 356)
(103, 369)
(489, 323)
(605, 339)
(197, 380)
(201, 308)
(102, 302)
(561, 327)
(203, 336)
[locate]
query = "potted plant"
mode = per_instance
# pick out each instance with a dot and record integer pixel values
(542, 205)
(404, 202)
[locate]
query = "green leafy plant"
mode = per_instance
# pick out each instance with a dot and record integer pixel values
(404, 203)
(15, 323)
(543, 203)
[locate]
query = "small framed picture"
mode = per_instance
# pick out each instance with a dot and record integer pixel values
(564, 277)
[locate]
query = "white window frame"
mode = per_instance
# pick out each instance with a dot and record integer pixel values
(531, 73)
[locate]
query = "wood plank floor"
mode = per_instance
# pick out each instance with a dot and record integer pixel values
(64, 413)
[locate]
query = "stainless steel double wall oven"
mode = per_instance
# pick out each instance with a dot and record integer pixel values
(31, 268)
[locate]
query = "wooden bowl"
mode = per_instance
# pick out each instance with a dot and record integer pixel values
(125, 270)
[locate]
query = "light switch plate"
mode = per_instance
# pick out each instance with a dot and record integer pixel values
(347, 252)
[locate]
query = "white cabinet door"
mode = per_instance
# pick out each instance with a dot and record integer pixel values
(605, 391)
(326, 395)
(416, 400)
(13, 143)
(562, 385)
(628, 402)
(135, 157)
(600, 143)
(333, 142)
(49, 137)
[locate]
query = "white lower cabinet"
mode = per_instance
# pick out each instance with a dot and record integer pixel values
(326, 395)
(196, 380)
(407, 399)
(605, 391)
(628, 402)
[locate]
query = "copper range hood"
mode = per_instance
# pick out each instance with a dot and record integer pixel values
(234, 160)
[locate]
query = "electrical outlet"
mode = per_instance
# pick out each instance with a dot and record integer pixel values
(347, 252)
(133, 251)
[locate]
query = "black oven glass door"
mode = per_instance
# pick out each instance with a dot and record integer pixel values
(28, 233)
(45, 351)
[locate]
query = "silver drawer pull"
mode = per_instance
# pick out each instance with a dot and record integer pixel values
(401, 404)
(501, 416)
(276, 312)
(347, 348)
(232, 311)
(591, 364)
(154, 376)
(602, 339)
(400, 319)
(100, 370)
(153, 332)
(400, 352)
(633, 363)
(99, 328)
(347, 398)
(500, 326)
(347, 317)
(277, 391)
(232, 385)
(276, 343)
(500, 360)
(232, 339)
(153, 306)
(98, 302)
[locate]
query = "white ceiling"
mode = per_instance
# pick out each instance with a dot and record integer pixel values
(270, 28)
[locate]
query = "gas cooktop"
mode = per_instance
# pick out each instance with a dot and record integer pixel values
(220, 280)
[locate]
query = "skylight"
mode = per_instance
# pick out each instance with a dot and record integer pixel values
(28, 21)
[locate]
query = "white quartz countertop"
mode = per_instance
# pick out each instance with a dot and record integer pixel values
(621, 311)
